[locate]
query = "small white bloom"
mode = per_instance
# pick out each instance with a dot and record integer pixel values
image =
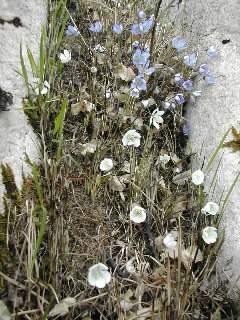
(138, 214)
(108, 93)
(134, 93)
(145, 103)
(156, 118)
(98, 275)
(197, 93)
(164, 158)
(211, 208)
(65, 57)
(93, 69)
(197, 177)
(170, 241)
(209, 235)
(131, 138)
(130, 266)
(106, 165)
(46, 87)
(99, 48)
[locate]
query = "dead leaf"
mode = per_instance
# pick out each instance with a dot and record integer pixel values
(180, 205)
(89, 147)
(181, 178)
(189, 254)
(125, 179)
(4, 312)
(82, 106)
(175, 158)
(62, 308)
(125, 73)
(235, 143)
(116, 185)
(128, 301)
(126, 167)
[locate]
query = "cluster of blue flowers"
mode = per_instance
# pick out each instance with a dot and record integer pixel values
(141, 58)
(141, 61)
(190, 60)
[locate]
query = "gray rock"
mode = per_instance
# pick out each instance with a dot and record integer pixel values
(211, 22)
(20, 22)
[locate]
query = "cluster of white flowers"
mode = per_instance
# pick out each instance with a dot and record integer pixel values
(209, 234)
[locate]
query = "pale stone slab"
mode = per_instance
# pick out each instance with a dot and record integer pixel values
(16, 134)
(218, 109)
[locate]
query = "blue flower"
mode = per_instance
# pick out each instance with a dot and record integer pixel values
(139, 83)
(179, 43)
(140, 58)
(179, 98)
(187, 85)
(147, 24)
(203, 69)
(190, 60)
(178, 78)
(210, 79)
(96, 26)
(142, 27)
(141, 14)
(71, 31)
(211, 52)
(117, 28)
(137, 29)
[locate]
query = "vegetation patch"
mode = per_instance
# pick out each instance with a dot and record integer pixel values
(112, 223)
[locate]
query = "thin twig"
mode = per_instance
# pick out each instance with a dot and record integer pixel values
(154, 27)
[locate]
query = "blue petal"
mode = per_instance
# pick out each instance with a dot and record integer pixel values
(179, 43)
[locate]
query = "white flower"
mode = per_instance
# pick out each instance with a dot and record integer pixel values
(164, 158)
(45, 88)
(98, 275)
(134, 93)
(106, 164)
(156, 118)
(169, 241)
(108, 94)
(93, 69)
(209, 235)
(197, 177)
(99, 48)
(65, 57)
(138, 214)
(197, 93)
(211, 208)
(131, 138)
(145, 103)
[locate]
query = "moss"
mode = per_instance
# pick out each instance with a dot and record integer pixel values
(12, 192)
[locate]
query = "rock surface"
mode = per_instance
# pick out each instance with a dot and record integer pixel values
(212, 22)
(20, 22)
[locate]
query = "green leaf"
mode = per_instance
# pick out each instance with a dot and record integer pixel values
(32, 62)
(59, 121)
(42, 55)
(23, 68)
